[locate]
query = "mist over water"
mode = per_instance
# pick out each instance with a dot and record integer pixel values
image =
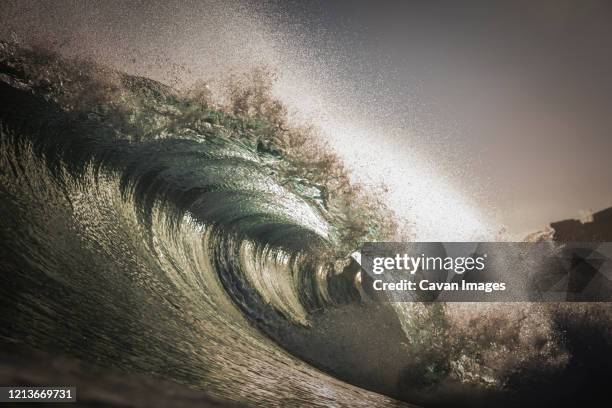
(205, 41)
(509, 117)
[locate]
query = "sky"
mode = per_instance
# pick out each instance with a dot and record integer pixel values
(477, 115)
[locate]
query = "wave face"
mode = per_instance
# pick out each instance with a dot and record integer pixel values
(168, 252)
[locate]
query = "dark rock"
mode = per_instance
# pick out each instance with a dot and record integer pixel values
(600, 229)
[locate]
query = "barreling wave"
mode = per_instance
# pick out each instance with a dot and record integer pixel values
(149, 230)
(207, 241)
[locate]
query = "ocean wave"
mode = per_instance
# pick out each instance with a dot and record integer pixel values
(157, 249)
(155, 231)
